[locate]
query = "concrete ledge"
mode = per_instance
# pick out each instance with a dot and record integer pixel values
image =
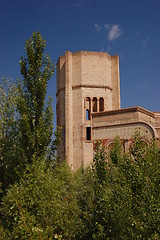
(124, 110)
(91, 86)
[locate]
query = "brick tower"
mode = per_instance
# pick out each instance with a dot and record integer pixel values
(87, 83)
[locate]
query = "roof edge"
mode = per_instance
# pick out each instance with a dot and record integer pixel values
(126, 110)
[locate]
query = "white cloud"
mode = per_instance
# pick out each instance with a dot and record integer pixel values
(107, 25)
(145, 43)
(97, 26)
(114, 32)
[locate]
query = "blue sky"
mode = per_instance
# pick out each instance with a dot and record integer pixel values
(129, 28)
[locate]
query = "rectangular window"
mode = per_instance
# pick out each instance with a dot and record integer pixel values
(88, 133)
(87, 114)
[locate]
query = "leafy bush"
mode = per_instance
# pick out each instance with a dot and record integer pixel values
(117, 197)
(43, 205)
(122, 195)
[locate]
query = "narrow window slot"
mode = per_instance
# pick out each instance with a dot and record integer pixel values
(88, 133)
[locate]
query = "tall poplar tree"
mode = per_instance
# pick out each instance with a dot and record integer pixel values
(35, 116)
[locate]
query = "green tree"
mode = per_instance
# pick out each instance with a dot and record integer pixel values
(9, 134)
(116, 198)
(119, 195)
(43, 205)
(26, 125)
(99, 173)
(26, 121)
(35, 116)
(134, 199)
(93, 197)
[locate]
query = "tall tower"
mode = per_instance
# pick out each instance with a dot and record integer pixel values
(87, 82)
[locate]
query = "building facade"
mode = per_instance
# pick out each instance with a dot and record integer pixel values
(88, 107)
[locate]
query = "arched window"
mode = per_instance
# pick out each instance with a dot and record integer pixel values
(88, 108)
(94, 104)
(101, 104)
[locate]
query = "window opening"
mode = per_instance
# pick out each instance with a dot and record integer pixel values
(88, 133)
(88, 108)
(94, 104)
(101, 104)
(87, 114)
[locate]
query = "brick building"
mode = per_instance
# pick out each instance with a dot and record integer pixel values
(88, 107)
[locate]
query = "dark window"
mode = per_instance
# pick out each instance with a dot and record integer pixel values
(88, 133)
(101, 104)
(94, 104)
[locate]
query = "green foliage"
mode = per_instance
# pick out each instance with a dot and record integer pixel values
(99, 174)
(116, 198)
(9, 134)
(43, 205)
(26, 121)
(51, 157)
(138, 147)
(35, 119)
(85, 195)
(134, 199)
(120, 196)
(116, 151)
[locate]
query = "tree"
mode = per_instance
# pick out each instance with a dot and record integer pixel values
(119, 196)
(43, 205)
(93, 197)
(134, 198)
(26, 122)
(99, 172)
(116, 198)
(35, 119)
(9, 134)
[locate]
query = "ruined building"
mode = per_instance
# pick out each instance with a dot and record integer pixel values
(88, 107)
